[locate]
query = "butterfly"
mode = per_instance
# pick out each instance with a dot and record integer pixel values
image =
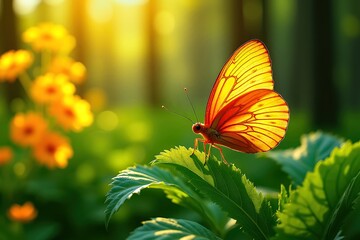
(244, 112)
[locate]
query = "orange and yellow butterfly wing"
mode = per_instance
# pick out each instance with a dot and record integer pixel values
(243, 107)
(249, 68)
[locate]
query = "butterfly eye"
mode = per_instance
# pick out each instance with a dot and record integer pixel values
(196, 127)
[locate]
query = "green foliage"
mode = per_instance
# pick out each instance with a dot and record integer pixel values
(227, 187)
(297, 162)
(165, 228)
(228, 201)
(135, 179)
(317, 209)
(188, 182)
(283, 198)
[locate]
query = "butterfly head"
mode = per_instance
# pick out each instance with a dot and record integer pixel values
(198, 127)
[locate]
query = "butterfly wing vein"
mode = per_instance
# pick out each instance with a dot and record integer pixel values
(243, 107)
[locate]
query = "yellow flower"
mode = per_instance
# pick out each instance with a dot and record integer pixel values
(22, 213)
(72, 113)
(76, 71)
(50, 37)
(6, 154)
(13, 63)
(50, 87)
(27, 129)
(53, 150)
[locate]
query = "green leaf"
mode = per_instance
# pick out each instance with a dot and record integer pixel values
(184, 157)
(164, 228)
(318, 207)
(185, 179)
(135, 179)
(283, 198)
(297, 162)
(226, 186)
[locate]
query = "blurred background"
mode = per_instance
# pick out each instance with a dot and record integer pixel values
(139, 55)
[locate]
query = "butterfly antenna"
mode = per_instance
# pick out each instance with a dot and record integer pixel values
(178, 114)
(192, 105)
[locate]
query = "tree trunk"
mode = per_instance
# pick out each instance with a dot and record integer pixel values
(240, 36)
(8, 26)
(325, 99)
(8, 41)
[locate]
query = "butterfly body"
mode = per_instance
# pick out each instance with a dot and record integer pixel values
(210, 135)
(243, 112)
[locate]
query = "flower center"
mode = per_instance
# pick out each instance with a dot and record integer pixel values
(50, 90)
(47, 36)
(28, 130)
(51, 149)
(69, 112)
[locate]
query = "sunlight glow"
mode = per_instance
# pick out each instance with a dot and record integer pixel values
(132, 2)
(100, 11)
(53, 2)
(131, 35)
(164, 22)
(23, 7)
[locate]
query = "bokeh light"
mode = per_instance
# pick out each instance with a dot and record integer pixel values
(23, 7)
(85, 173)
(107, 120)
(138, 131)
(350, 25)
(19, 169)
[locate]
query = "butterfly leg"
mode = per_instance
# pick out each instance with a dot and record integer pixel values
(196, 143)
(221, 153)
(207, 154)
